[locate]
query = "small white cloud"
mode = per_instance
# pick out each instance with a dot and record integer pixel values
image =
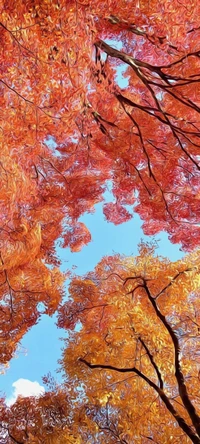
(24, 387)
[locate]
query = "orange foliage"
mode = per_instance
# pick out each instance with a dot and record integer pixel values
(135, 348)
(38, 420)
(131, 360)
(69, 124)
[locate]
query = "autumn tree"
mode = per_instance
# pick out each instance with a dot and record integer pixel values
(59, 81)
(43, 190)
(59, 416)
(68, 126)
(134, 347)
(46, 419)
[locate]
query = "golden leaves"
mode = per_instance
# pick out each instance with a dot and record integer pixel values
(128, 332)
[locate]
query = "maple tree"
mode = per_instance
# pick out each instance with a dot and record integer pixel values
(136, 353)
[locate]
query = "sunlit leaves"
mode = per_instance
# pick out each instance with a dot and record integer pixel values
(119, 326)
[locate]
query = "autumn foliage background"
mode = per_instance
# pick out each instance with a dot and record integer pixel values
(131, 361)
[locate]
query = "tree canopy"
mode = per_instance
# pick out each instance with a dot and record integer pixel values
(131, 369)
(136, 353)
(95, 95)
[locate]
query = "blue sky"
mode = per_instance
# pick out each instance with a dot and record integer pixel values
(41, 343)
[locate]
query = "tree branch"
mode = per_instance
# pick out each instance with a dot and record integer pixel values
(182, 423)
(178, 371)
(171, 282)
(152, 362)
(139, 68)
